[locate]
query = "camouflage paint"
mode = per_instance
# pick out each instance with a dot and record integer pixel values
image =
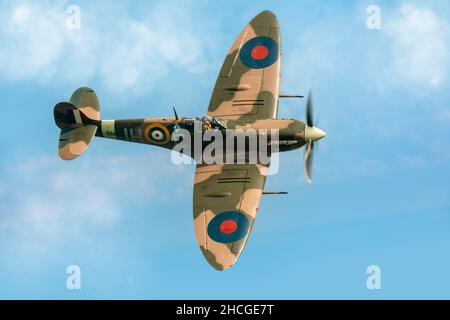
(245, 97)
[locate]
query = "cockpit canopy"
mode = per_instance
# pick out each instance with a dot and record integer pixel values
(207, 122)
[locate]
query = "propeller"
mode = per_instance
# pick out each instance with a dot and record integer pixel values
(309, 111)
(312, 134)
(308, 159)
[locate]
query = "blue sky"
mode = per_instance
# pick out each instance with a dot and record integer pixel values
(122, 212)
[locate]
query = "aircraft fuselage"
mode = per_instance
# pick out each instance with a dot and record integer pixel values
(161, 131)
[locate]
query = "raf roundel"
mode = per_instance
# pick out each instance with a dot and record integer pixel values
(228, 226)
(157, 133)
(259, 52)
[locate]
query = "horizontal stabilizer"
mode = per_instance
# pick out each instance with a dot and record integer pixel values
(73, 142)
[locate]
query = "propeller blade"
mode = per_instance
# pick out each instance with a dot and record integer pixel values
(309, 111)
(308, 160)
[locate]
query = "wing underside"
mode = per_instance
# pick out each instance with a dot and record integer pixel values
(227, 196)
(226, 201)
(247, 87)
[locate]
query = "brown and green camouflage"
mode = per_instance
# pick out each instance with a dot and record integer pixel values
(246, 96)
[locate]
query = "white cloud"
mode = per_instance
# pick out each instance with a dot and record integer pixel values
(49, 199)
(419, 39)
(123, 53)
(415, 161)
(30, 42)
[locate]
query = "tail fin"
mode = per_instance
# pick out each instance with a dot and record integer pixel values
(78, 121)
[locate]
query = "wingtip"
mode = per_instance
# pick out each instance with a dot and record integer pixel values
(220, 262)
(266, 12)
(265, 18)
(221, 268)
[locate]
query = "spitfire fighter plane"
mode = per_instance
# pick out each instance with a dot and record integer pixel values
(226, 195)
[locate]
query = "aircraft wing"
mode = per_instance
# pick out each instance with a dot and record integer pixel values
(247, 87)
(226, 201)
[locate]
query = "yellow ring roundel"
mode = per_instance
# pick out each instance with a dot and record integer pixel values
(157, 133)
